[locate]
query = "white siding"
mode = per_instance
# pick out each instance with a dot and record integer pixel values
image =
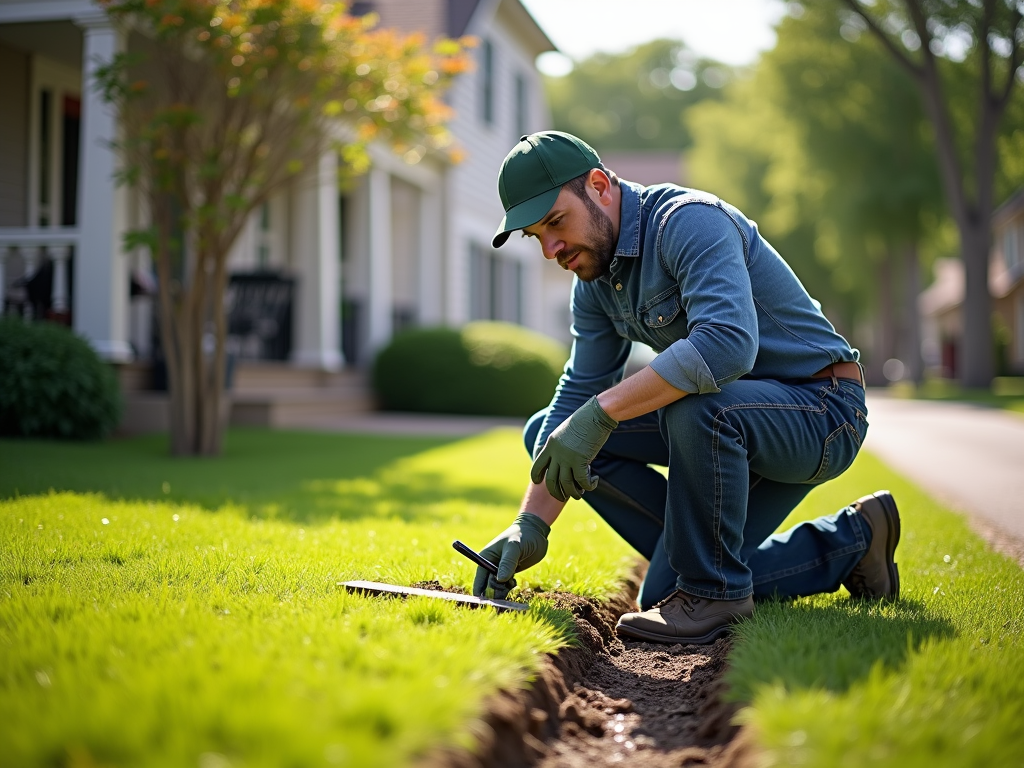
(475, 205)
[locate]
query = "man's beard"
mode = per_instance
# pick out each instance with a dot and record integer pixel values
(600, 246)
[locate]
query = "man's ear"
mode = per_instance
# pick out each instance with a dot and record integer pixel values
(598, 180)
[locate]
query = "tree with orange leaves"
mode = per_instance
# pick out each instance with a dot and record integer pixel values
(230, 100)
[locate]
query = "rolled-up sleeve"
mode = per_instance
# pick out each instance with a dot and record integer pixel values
(701, 246)
(596, 363)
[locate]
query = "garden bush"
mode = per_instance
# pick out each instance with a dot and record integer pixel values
(484, 368)
(53, 384)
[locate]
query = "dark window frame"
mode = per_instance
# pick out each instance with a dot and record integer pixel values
(487, 88)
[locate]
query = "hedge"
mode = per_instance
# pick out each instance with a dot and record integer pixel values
(484, 368)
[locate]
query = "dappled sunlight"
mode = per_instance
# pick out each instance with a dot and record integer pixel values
(303, 477)
(486, 470)
(362, 508)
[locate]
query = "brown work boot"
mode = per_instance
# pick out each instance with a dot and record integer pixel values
(876, 576)
(683, 618)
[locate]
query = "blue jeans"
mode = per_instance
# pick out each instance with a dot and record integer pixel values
(739, 461)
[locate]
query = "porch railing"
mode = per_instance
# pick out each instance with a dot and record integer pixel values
(33, 247)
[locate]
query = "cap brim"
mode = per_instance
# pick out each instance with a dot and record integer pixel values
(523, 215)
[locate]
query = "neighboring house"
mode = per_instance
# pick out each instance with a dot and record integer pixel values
(1008, 278)
(333, 274)
(655, 166)
(941, 305)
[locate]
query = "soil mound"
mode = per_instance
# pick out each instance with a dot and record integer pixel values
(609, 702)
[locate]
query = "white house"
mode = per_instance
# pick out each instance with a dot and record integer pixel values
(408, 245)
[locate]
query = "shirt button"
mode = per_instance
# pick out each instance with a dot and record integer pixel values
(660, 318)
(618, 286)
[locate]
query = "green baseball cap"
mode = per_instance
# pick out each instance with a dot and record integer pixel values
(533, 173)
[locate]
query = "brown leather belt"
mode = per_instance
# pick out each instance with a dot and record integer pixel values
(850, 371)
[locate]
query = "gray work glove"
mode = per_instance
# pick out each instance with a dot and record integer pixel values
(565, 459)
(522, 545)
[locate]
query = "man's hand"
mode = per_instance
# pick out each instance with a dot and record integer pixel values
(522, 545)
(564, 462)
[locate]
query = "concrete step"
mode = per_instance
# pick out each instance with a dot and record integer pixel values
(275, 400)
(251, 376)
(295, 408)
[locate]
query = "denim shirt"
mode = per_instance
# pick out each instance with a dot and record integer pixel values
(692, 278)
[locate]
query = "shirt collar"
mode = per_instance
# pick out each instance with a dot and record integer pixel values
(629, 220)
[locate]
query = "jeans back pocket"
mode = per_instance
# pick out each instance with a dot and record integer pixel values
(841, 448)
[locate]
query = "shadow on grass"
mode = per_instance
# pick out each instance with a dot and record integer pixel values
(827, 642)
(298, 476)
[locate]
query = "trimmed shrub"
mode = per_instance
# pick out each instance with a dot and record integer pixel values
(53, 384)
(484, 368)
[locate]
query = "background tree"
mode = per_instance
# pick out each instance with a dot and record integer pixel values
(742, 145)
(878, 201)
(229, 102)
(955, 51)
(635, 100)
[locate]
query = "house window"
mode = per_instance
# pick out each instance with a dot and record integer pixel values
(487, 82)
(1013, 246)
(54, 112)
(522, 118)
(263, 238)
(495, 286)
(361, 8)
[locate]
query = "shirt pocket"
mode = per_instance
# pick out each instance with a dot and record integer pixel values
(665, 321)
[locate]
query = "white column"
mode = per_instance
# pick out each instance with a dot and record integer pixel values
(59, 293)
(101, 270)
(431, 299)
(316, 228)
(380, 303)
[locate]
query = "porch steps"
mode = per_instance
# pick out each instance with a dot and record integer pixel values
(263, 394)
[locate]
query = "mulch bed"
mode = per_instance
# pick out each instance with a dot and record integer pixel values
(608, 702)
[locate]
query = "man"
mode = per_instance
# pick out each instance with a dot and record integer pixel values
(752, 400)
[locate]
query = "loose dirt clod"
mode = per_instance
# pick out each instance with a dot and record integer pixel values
(610, 703)
(436, 586)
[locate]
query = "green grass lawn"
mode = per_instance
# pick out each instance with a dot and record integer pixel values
(936, 679)
(1007, 392)
(158, 611)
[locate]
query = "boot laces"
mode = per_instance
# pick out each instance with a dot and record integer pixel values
(689, 601)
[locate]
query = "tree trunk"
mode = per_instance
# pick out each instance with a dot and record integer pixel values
(976, 344)
(885, 325)
(912, 291)
(195, 378)
(970, 204)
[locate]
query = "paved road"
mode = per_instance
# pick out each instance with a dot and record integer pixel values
(968, 456)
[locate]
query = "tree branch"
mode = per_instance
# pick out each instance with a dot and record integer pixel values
(901, 57)
(1016, 54)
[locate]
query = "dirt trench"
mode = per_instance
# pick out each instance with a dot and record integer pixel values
(609, 702)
